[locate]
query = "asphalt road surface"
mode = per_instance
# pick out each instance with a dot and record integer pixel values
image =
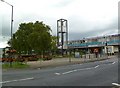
(99, 73)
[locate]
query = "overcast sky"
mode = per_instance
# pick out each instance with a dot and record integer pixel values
(86, 18)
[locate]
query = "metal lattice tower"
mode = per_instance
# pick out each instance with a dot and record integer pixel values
(62, 33)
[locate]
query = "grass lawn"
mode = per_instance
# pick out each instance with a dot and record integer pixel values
(6, 65)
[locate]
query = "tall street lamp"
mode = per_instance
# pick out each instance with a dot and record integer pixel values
(11, 29)
(11, 18)
(106, 45)
(85, 42)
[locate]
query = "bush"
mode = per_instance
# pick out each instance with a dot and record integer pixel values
(47, 58)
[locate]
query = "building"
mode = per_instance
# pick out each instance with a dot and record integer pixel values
(102, 45)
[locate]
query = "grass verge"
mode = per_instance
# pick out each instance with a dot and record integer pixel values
(18, 65)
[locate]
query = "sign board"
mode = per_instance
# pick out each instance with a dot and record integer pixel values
(92, 45)
(95, 50)
(77, 54)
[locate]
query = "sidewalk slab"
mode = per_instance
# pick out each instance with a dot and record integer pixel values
(63, 61)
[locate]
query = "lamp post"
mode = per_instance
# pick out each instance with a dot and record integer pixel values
(106, 48)
(11, 18)
(85, 47)
(106, 45)
(11, 28)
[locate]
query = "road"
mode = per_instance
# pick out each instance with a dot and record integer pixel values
(99, 73)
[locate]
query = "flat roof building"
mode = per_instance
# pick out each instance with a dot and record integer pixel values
(104, 44)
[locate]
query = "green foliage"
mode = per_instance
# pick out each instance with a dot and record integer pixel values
(3, 55)
(82, 52)
(54, 44)
(32, 36)
(14, 65)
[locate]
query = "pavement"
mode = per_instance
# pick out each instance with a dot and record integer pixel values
(63, 61)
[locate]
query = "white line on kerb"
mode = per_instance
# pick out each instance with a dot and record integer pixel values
(17, 80)
(115, 84)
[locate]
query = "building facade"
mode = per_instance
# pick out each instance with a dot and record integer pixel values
(102, 45)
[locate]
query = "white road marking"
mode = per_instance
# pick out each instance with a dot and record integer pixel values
(87, 68)
(68, 72)
(113, 63)
(74, 70)
(96, 66)
(38, 68)
(116, 84)
(17, 80)
(79, 70)
(57, 73)
(25, 79)
(84, 69)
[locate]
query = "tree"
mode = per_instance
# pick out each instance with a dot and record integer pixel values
(3, 55)
(54, 44)
(32, 36)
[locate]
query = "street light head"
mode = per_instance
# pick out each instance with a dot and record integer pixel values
(2, 0)
(7, 3)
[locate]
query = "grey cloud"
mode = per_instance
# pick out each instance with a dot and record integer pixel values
(77, 29)
(6, 30)
(111, 28)
(93, 33)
